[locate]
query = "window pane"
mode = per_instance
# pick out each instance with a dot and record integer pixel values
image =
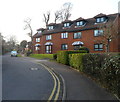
(79, 35)
(36, 48)
(96, 46)
(48, 49)
(102, 19)
(101, 46)
(61, 35)
(67, 24)
(98, 19)
(96, 49)
(95, 32)
(40, 31)
(48, 37)
(78, 23)
(64, 46)
(81, 22)
(101, 32)
(64, 35)
(75, 35)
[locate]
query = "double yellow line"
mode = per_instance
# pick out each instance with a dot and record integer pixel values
(56, 85)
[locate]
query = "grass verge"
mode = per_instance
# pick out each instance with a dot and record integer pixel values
(42, 56)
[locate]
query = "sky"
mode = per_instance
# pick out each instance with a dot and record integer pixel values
(14, 12)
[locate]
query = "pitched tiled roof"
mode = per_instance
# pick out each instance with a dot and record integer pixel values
(40, 29)
(51, 24)
(37, 35)
(66, 21)
(100, 15)
(89, 24)
(80, 19)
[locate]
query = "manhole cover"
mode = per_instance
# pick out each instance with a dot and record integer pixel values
(33, 68)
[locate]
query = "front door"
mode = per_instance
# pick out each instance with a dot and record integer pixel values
(48, 49)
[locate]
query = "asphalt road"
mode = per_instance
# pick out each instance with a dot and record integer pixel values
(25, 80)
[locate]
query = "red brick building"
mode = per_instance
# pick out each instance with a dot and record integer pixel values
(71, 35)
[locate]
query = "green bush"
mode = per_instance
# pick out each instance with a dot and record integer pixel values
(85, 48)
(63, 56)
(105, 68)
(92, 64)
(42, 56)
(75, 60)
(110, 74)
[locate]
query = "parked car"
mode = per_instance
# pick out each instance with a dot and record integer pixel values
(14, 53)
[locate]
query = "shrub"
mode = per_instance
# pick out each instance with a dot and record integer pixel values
(92, 64)
(63, 56)
(105, 68)
(42, 56)
(110, 74)
(75, 60)
(85, 48)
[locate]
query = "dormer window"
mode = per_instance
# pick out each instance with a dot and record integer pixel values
(40, 31)
(50, 27)
(80, 23)
(66, 24)
(100, 19)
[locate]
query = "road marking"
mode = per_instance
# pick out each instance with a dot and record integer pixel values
(56, 80)
(34, 68)
(53, 91)
(58, 90)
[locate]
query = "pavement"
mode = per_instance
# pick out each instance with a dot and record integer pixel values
(78, 86)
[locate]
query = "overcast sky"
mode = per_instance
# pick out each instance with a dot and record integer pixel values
(13, 13)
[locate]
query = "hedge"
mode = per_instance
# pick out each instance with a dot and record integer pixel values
(63, 56)
(105, 68)
(75, 60)
(42, 56)
(85, 48)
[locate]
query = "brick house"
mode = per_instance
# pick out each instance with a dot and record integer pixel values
(71, 35)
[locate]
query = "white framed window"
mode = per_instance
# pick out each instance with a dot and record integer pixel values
(50, 27)
(48, 49)
(77, 35)
(98, 32)
(64, 35)
(66, 24)
(101, 19)
(80, 23)
(37, 48)
(64, 47)
(40, 31)
(48, 37)
(98, 47)
(37, 39)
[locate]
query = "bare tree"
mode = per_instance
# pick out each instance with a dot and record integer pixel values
(66, 11)
(30, 34)
(46, 17)
(11, 43)
(58, 15)
(110, 32)
(28, 26)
